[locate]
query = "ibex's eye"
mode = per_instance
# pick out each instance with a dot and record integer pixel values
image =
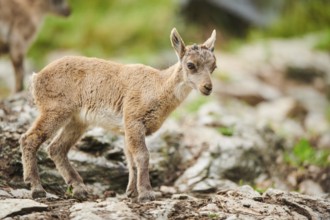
(191, 66)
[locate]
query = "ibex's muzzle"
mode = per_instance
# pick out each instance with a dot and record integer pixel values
(206, 89)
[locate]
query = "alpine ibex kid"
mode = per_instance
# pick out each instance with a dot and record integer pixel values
(134, 100)
(19, 23)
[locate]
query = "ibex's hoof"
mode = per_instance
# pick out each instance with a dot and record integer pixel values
(146, 196)
(131, 193)
(38, 192)
(79, 193)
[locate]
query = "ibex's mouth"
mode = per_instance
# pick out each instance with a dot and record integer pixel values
(205, 91)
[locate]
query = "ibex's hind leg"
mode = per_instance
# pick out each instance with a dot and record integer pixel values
(42, 129)
(58, 151)
(131, 190)
(17, 59)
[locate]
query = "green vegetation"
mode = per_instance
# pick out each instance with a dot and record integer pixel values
(301, 17)
(227, 131)
(327, 112)
(4, 92)
(324, 42)
(213, 215)
(233, 45)
(134, 28)
(69, 190)
(190, 106)
(304, 154)
(193, 106)
(259, 190)
(222, 76)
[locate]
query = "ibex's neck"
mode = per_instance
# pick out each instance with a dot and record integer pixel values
(175, 83)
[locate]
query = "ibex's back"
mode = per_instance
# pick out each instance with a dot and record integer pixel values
(96, 91)
(75, 92)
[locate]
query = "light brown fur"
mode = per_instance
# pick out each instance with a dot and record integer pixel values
(75, 92)
(19, 22)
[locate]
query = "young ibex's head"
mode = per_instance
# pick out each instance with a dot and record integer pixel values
(59, 7)
(197, 62)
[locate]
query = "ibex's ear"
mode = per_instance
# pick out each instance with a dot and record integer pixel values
(177, 43)
(209, 43)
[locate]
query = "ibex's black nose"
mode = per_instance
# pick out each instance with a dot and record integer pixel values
(208, 87)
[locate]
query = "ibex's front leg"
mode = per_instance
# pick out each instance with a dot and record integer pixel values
(131, 190)
(135, 143)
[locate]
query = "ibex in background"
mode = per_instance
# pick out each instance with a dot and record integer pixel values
(134, 100)
(20, 21)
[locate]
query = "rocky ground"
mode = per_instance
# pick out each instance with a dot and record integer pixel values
(238, 154)
(240, 203)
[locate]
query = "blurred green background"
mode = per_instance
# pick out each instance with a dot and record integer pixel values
(140, 28)
(129, 28)
(300, 17)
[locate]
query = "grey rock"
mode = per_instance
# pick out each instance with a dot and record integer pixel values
(324, 141)
(249, 192)
(2, 113)
(115, 154)
(19, 206)
(252, 91)
(111, 208)
(302, 204)
(212, 185)
(26, 194)
(304, 74)
(6, 76)
(243, 201)
(98, 169)
(211, 210)
(21, 193)
(181, 196)
(232, 217)
(310, 187)
(162, 210)
(282, 53)
(317, 123)
(210, 207)
(280, 109)
(4, 194)
(194, 174)
(241, 161)
(239, 157)
(168, 189)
